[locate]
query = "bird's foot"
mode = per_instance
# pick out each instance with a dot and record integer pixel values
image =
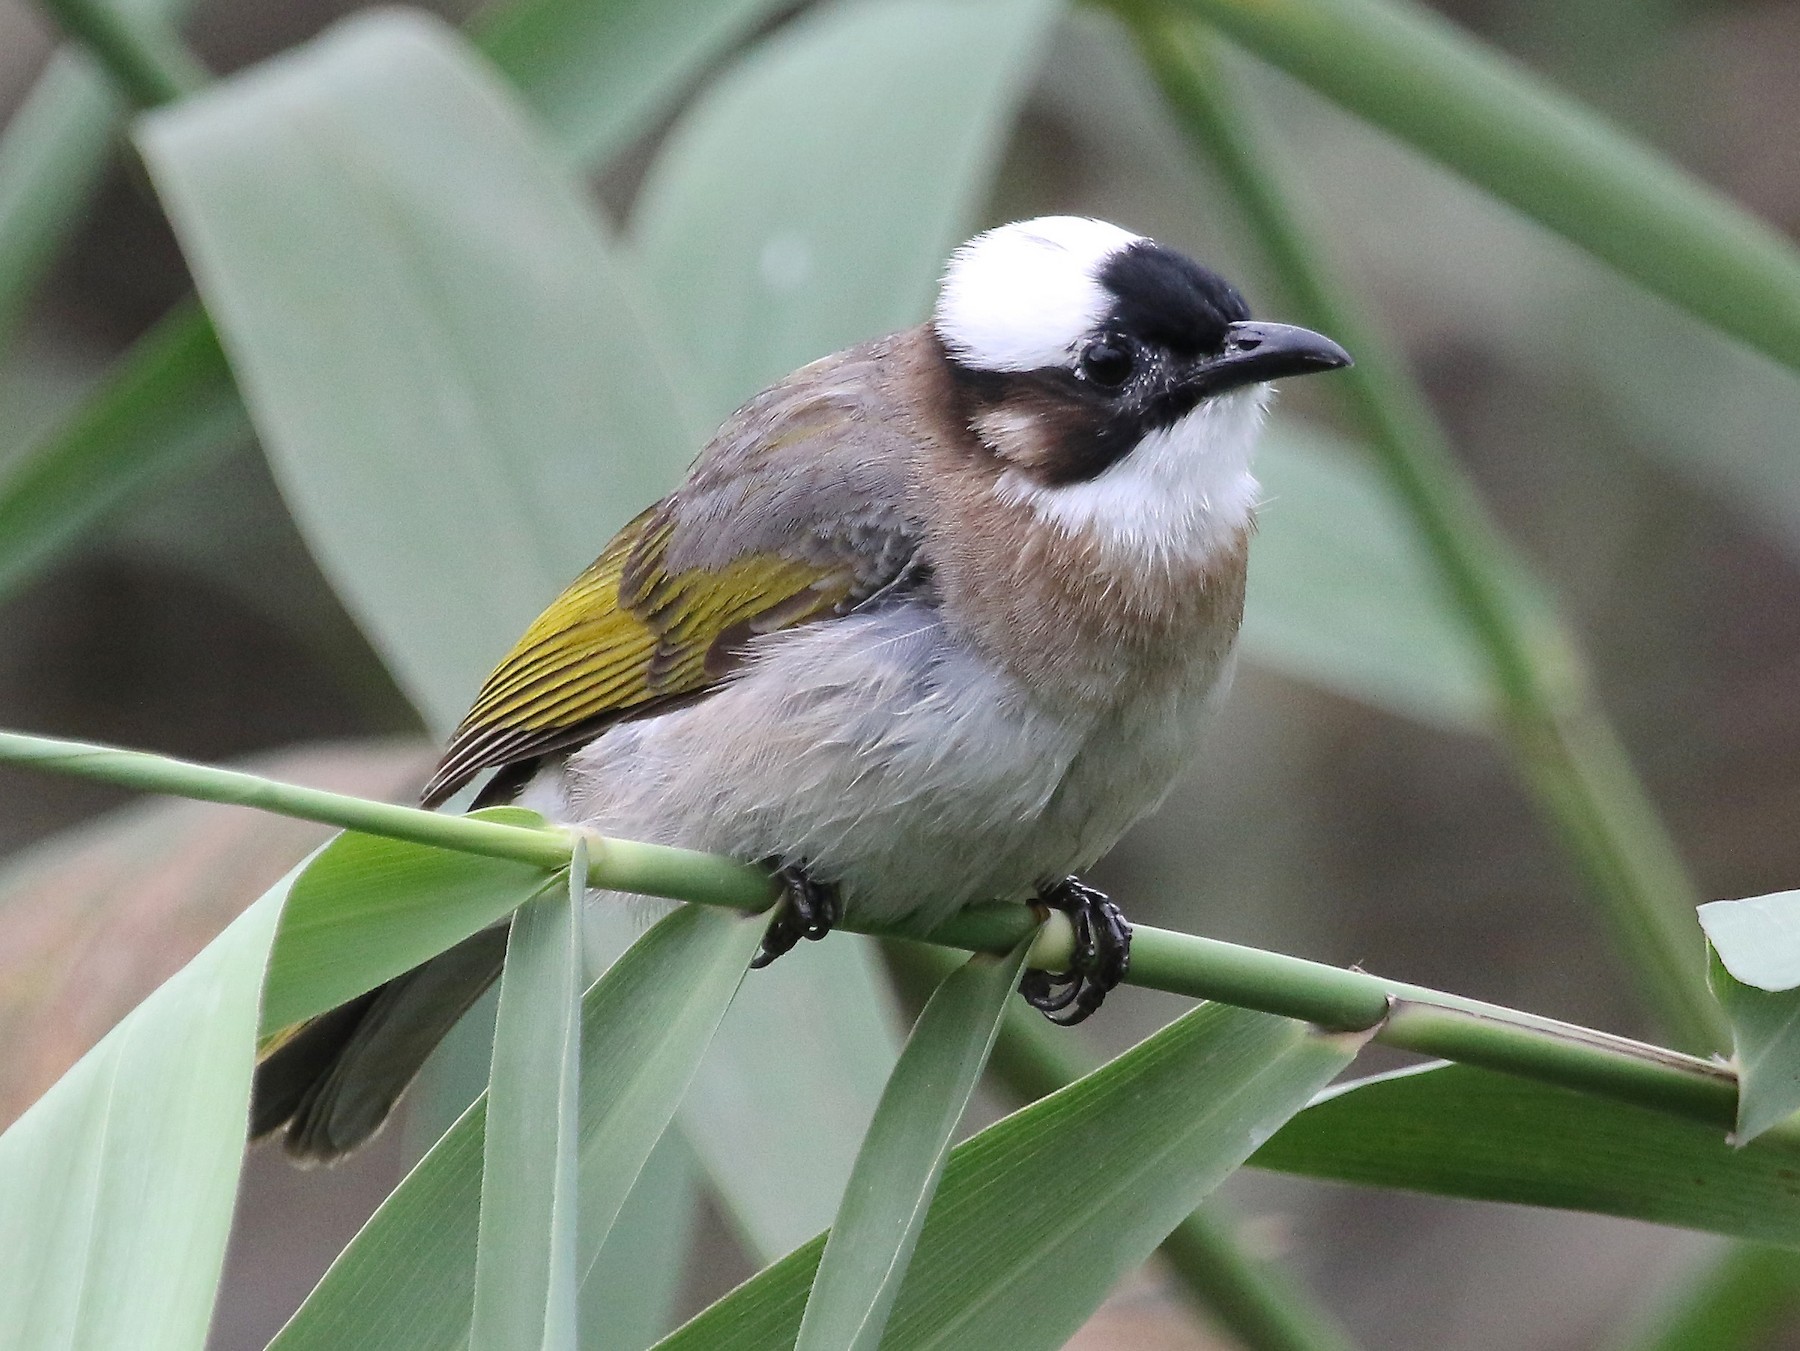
(1101, 958)
(807, 909)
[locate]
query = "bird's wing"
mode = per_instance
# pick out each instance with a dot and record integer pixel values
(795, 512)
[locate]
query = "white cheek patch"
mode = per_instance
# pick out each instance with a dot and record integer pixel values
(1180, 494)
(1020, 297)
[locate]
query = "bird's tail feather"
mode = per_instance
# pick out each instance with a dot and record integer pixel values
(333, 1081)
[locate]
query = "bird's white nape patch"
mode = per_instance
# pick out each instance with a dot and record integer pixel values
(1021, 297)
(1182, 493)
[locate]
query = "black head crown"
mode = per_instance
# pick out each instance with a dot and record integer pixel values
(1166, 298)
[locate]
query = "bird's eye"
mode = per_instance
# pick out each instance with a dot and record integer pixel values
(1107, 362)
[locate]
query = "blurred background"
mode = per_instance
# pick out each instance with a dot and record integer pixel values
(1647, 467)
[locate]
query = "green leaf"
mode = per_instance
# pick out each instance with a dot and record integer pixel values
(1038, 1216)
(902, 1157)
(792, 213)
(629, 1297)
(455, 389)
(778, 1130)
(1342, 594)
(406, 1280)
(1765, 1041)
(1757, 939)
(52, 155)
(367, 908)
(1456, 1131)
(85, 936)
(1433, 86)
(599, 74)
(117, 1187)
(166, 407)
(525, 1250)
(1754, 972)
(595, 73)
(1738, 1300)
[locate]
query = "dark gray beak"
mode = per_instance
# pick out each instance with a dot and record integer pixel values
(1256, 350)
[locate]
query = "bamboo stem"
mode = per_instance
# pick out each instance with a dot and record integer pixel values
(1409, 1016)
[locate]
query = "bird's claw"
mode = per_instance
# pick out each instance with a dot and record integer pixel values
(1101, 958)
(807, 909)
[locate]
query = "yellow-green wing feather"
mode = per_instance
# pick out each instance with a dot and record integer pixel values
(797, 510)
(628, 637)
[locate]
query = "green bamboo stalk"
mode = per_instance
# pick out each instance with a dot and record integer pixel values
(143, 56)
(1409, 1016)
(1566, 750)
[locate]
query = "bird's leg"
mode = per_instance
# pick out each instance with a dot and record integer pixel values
(807, 909)
(1102, 954)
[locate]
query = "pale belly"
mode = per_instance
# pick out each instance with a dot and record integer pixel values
(891, 761)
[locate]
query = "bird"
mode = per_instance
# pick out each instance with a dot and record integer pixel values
(929, 622)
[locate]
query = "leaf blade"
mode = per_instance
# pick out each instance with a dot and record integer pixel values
(1458, 1131)
(525, 1246)
(117, 1186)
(165, 407)
(902, 1156)
(598, 75)
(368, 908)
(384, 156)
(1342, 596)
(971, 1281)
(1753, 970)
(791, 213)
(406, 1280)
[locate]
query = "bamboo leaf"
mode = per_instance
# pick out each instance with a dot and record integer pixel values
(164, 408)
(599, 75)
(788, 1088)
(94, 918)
(406, 1280)
(1738, 1300)
(629, 1297)
(792, 213)
(596, 74)
(525, 1249)
(117, 1186)
(902, 1157)
(1342, 594)
(1430, 84)
(1457, 1131)
(367, 908)
(1754, 971)
(52, 155)
(455, 388)
(1040, 1214)
(1758, 939)
(1765, 1040)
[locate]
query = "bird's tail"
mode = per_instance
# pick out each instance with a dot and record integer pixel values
(332, 1081)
